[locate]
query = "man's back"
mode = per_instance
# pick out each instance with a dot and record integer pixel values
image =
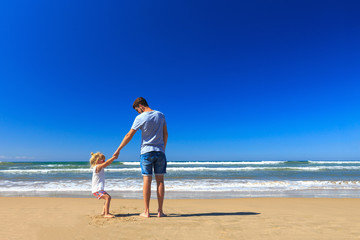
(151, 124)
(153, 143)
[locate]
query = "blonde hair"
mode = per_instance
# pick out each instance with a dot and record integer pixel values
(95, 157)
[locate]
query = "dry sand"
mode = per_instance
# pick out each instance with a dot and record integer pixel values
(246, 218)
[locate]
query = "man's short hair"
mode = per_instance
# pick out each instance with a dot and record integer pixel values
(138, 101)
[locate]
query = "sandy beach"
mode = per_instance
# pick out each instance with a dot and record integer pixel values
(245, 218)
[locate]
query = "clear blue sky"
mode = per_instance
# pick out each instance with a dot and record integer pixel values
(236, 80)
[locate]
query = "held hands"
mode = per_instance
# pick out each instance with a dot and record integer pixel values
(116, 154)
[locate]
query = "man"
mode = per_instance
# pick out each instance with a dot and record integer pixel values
(153, 143)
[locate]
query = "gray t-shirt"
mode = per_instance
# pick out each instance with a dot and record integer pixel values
(151, 125)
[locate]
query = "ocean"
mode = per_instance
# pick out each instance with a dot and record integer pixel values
(193, 179)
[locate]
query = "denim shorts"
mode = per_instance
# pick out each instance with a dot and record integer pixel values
(150, 160)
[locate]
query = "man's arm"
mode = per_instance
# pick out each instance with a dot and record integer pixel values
(125, 141)
(165, 132)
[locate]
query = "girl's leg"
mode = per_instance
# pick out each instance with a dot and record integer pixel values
(103, 211)
(107, 199)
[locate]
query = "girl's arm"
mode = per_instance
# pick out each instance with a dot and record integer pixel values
(105, 164)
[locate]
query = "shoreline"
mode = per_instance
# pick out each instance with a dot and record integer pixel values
(344, 193)
(236, 218)
(188, 180)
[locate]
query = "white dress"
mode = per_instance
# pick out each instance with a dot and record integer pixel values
(98, 180)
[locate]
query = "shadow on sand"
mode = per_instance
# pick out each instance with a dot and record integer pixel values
(214, 214)
(127, 215)
(194, 214)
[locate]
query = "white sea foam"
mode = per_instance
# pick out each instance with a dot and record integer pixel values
(335, 162)
(131, 163)
(228, 163)
(250, 162)
(264, 168)
(180, 169)
(60, 170)
(215, 163)
(208, 185)
(247, 177)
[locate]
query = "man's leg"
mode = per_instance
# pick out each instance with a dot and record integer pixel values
(160, 194)
(146, 195)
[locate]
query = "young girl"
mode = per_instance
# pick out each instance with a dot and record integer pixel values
(97, 162)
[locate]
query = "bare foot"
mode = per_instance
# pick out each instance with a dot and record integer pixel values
(109, 216)
(161, 214)
(144, 214)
